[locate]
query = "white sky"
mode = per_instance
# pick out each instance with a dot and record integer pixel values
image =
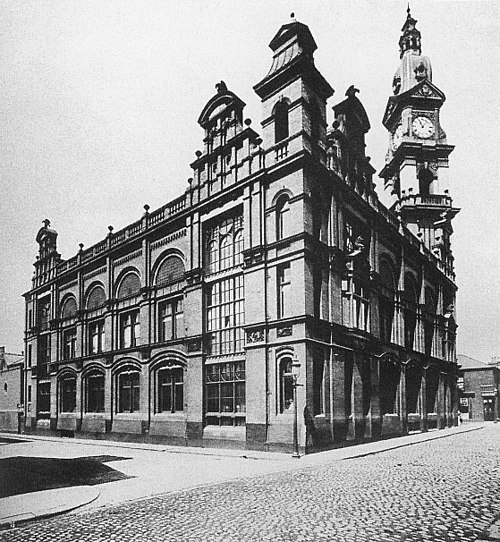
(99, 103)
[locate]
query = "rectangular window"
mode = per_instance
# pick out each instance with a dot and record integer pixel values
(225, 393)
(284, 290)
(386, 316)
(170, 390)
(94, 393)
(68, 394)
(69, 343)
(128, 390)
(29, 394)
(43, 400)
(361, 308)
(96, 337)
(171, 320)
(225, 316)
(286, 384)
(29, 355)
(44, 313)
(43, 349)
(130, 329)
(319, 386)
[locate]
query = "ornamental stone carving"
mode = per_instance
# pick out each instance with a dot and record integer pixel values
(255, 336)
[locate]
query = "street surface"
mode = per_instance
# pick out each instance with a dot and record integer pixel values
(447, 489)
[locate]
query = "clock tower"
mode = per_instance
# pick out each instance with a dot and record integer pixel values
(417, 158)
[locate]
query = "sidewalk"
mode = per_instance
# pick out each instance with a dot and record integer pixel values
(157, 469)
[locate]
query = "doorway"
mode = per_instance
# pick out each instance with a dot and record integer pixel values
(488, 410)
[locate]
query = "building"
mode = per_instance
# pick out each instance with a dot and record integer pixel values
(185, 326)
(11, 390)
(479, 385)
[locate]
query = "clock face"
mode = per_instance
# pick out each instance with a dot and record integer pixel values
(397, 137)
(423, 127)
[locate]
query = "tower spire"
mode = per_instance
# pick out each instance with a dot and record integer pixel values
(410, 39)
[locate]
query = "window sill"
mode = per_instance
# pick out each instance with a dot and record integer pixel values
(130, 415)
(177, 415)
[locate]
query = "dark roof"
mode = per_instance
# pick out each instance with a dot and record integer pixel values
(8, 360)
(470, 363)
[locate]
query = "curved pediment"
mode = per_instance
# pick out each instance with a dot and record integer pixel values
(220, 105)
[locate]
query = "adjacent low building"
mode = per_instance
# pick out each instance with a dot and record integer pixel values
(479, 385)
(11, 390)
(186, 325)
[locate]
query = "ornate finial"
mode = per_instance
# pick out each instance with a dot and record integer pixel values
(46, 222)
(351, 91)
(292, 16)
(81, 246)
(146, 208)
(221, 87)
(110, 228)
(408, 10)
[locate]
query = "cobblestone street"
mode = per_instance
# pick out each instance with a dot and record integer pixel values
(444, 490)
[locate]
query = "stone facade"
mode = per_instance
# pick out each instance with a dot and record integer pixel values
(479, 386)
(183, 326)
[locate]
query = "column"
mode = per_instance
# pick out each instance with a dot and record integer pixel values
(375, 412)
(339, 399)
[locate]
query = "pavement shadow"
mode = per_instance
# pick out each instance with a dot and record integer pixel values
(20, 474)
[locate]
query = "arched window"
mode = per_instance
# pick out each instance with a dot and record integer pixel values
(213, 257)
(96, 298)
(69, 308)
(386, 300)
(226, 253)
(281, 128)
(129, 286)
(389, 381)
(94, 391)
(413, 385)
(128, 391)
(171, 270)
(67, 393)
(429, 317)
(286, 384)
(170, 389)
(409, 313)
(283, 217)
(431, 391)
(238, 247)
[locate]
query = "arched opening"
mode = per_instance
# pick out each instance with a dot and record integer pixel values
(94, 391)
(169, 389)
(69, 308)
(67, 393)
(425, 178)
(386, 300)
(128, 389)
(130, 285)
(283, 217)
(286, 384)
(281, 123)
(171, 270)
(409, 312)
(413, 385)
(390, 372)
(429, 317)
(96, 298)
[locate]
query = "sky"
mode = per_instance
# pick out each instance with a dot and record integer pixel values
(99, 104)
